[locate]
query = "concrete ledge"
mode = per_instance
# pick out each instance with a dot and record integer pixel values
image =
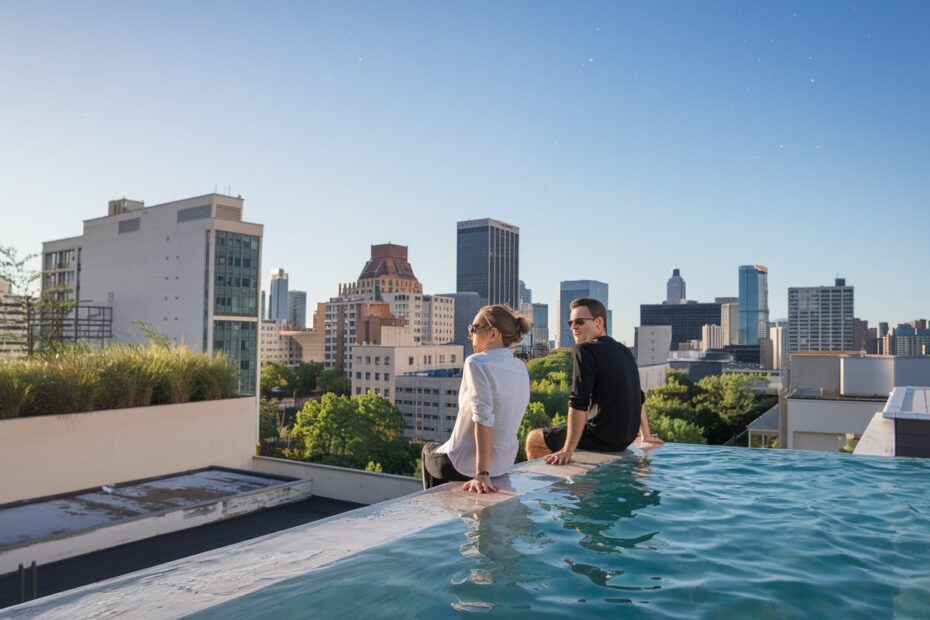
(349, 485)
(111, 532)
(203, 581)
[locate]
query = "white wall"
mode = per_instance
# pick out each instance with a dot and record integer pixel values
(51, 455)
(831, 417)
(866, 376)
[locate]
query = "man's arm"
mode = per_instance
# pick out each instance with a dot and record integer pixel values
(573, 430)
(645, 435)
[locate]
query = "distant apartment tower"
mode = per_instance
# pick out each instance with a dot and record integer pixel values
(753, 303)
(279, 299)
(189, 268)
(573, 289)
(488, 261)
(13, 331)
(539, 331)
(711, 337)
(820, 318)
(729, 319)
(297, 309)
(686, 320)
(675, 289)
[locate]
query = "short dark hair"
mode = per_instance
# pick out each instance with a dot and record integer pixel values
(596, 308)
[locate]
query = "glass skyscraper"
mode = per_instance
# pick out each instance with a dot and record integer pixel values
(573, 289)
(488, 261)
(753, 303)
(278, 305)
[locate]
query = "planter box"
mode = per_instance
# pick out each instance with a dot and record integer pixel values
(49, 455)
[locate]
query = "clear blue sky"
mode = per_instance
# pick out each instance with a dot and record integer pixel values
(623, 138)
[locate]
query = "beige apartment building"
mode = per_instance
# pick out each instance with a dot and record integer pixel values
(375, 368)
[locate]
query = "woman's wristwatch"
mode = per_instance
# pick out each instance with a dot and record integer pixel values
(482, 474)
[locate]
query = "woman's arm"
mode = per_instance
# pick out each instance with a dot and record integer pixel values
(481, 483)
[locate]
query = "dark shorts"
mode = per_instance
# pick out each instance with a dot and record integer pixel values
(436, 468)
(554, 437)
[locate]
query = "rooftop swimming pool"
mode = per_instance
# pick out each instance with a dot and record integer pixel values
(679, 532)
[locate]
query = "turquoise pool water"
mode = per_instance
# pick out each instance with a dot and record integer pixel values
(683, 532)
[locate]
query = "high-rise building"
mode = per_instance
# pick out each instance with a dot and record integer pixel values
(189, 268)
(573, 289)
(778, 336)
(820, 318)
(524, 295)
(297, 309)
(13, 331)
(653, 343)
(686, 320)
(539, 331)
(277, 310)
(711, 337)
(729, 319)
(861, 336)
(753, 303)
(438, 319)
(466, 306)
(488, 261)
(675, 288)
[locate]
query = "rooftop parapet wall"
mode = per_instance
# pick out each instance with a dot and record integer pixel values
(49, 455)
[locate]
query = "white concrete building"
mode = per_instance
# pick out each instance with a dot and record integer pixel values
(653, 343)
(376, 367)
(189, 268)
(831, 398)
(430, 403)
(277, 344)
(438, 319)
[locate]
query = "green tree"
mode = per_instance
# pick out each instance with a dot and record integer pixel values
(731, 399)
(675, 430)
(534, 417)
(306, 376)
(333, 381)
(560, 360)
(354, 432)
(276, 376)
(269, 420)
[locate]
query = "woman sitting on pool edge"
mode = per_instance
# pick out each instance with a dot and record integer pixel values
(493, 396)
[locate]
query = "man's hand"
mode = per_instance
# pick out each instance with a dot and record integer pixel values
(479, 484)
(562, 457)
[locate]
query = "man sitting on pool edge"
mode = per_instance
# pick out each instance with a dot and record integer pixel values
(605, 405)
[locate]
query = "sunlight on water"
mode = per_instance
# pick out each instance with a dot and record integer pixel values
(684, 532)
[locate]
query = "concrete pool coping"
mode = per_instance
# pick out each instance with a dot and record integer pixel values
(199, 582)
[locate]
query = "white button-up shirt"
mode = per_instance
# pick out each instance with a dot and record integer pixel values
(495, 391)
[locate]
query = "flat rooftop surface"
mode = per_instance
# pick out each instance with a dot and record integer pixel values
(64, 515)
(908, 403)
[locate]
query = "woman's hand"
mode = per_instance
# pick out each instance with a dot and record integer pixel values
(479, 484)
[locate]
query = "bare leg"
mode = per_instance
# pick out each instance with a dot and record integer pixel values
(536, 445)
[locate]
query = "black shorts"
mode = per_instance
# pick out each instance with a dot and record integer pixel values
(436, 468)
(554, 437)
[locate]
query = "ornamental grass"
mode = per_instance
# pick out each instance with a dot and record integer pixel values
(80, 379)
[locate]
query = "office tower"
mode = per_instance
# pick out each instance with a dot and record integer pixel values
(860, 335)
(524, 295)
(264, 307)
(488, 261)
(188, 268)
(539, 331)
(729, 319)
(573, 289)
(882, 329)
(820, 318)
(466, 307)
(279, 300)
(686, 320)
(778, 336)
(753, 303)
(297, 309)
(675, 288)
(711, 337)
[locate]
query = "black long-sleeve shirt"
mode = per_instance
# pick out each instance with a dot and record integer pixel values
(605, 383)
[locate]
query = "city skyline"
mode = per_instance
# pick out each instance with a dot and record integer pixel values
(622, 140)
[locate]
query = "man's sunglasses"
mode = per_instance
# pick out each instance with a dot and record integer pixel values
(579, 321)
(472, 328)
